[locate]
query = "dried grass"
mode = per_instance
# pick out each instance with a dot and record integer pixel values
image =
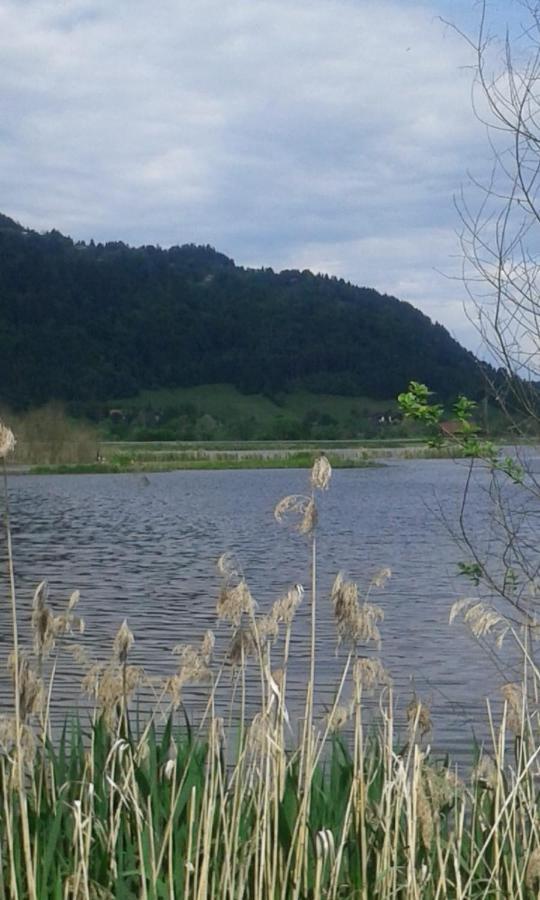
(298, 511)
(355, 622)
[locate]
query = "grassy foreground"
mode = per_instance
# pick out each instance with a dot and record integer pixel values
(110, 813)
(239, 807)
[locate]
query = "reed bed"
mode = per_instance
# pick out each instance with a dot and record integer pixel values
(47, 436)
(239, 807)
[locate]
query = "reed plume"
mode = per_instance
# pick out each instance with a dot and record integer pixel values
(123, 643)
(285, 608)
(321, 473)
(299, 511)
(235, 601)
(481, 618)
(194, 666)
(355, 622)
(47, 627)
(7, 441)
(242, 646)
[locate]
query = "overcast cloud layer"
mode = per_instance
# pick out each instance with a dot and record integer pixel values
(321, 134)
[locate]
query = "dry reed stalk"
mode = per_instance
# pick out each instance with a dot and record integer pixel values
(359, 806)
(204, 839)
(341, 844)
(499, 812)
(191, 825)
(8, 818)
(7, 445)
(226, 888)
(386, 867)
(176, 798)
(320, 478)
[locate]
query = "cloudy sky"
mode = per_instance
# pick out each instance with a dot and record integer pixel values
(322, 134)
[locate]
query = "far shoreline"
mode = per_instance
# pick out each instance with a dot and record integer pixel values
(141, 460)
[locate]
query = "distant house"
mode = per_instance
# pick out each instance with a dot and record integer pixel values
(117, 415)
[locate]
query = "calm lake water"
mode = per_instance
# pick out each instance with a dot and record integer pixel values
(145, 548)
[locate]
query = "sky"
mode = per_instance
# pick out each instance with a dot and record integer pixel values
(330, 135)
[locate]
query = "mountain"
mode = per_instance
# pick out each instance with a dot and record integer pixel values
(85, 321)
(7, 224)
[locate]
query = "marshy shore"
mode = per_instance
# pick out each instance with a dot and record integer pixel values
(170, 456)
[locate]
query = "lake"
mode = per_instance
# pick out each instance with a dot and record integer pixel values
(145, 548)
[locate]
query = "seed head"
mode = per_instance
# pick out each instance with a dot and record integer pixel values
(46, 627)
(418, 717)
(338, 717)
(31, 691)
(513, 694)
(7, 441)
(234, 601)
(228, 567)
(299, 510)
(308, 522)
(380, 578)
(267, 629)
(321, 473)
(482, 619)
(42, 621)
(173, 686)
(123, 642)
(242, 646)
(194, 662)
(285, 608)
(111, 685)
(355, 622)
(368, 673)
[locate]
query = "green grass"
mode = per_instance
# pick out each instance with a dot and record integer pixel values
(214, 398)
(221, 412)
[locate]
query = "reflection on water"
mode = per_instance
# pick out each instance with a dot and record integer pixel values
(144, 548)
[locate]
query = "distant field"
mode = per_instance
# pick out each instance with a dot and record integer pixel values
(220, 413)
(217, 398)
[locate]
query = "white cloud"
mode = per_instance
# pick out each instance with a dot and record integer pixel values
(314, 133)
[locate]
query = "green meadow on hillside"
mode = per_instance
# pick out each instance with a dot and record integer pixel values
(220, 412)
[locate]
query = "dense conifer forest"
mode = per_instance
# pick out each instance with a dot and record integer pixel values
(84, 322)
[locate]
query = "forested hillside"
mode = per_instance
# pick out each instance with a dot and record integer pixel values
(88, 322)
